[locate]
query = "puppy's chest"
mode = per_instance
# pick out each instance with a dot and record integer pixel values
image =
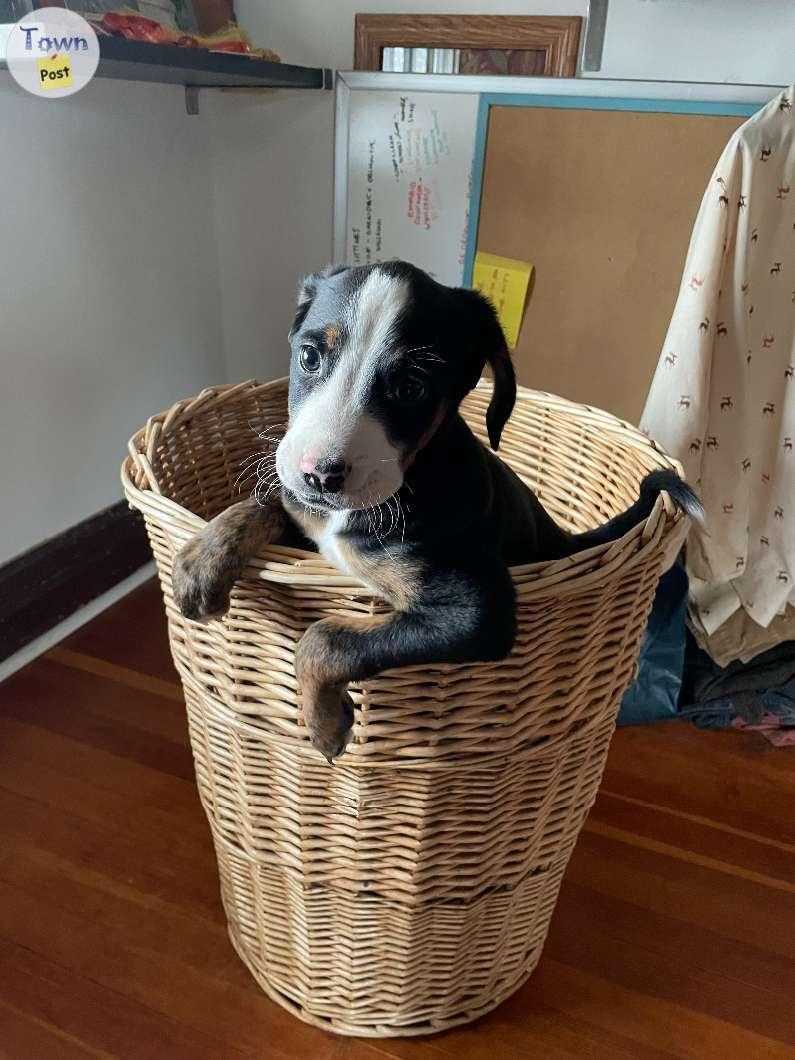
(394, 577)
(330, 542)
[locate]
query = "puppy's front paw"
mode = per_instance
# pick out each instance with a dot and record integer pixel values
(203, 575)
(328, 715)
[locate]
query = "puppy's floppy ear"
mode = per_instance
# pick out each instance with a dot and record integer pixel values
(485, 338)
(503, 397)
(307, 291)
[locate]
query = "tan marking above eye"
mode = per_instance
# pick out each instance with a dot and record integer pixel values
(331, 335)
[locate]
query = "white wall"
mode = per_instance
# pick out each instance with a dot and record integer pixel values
(733, 41)
(110, 304)
(272, 160)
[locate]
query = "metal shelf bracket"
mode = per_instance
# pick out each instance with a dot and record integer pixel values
(191, 99)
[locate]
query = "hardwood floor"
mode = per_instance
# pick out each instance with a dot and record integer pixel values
(674, 934)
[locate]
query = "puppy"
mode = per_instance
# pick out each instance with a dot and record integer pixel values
(380, 471)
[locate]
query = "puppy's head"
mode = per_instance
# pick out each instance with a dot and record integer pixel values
(382, 355)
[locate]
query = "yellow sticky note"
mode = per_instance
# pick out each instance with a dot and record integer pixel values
(55, 72)
(504, 281)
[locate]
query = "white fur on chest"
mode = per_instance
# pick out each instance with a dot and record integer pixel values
(328, 542)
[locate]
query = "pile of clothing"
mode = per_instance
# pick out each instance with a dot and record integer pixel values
(677, 678)
(758, 695)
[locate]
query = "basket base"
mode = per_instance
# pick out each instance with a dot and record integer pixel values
(382, 1029)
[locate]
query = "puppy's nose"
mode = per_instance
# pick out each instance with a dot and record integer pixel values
(328, 476)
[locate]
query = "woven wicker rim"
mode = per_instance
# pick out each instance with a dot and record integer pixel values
(294, 566)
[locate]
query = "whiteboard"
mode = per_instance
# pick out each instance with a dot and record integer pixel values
(409, 179)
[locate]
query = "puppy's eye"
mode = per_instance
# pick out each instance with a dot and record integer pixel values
(309, 359)
(409, 388)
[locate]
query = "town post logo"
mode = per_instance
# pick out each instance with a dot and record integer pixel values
(52, 52)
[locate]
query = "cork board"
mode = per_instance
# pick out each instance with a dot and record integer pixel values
(602, 203)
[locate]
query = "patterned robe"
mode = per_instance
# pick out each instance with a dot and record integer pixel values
(723, 396)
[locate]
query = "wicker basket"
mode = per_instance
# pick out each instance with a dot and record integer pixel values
(410, 887)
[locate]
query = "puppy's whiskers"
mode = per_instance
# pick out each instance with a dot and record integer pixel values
(378, 533)
(424, 353)
(393, 516)
(259, 455)
(402, 512)
(419, 354)
(270, 429)
(256, 463)
(369, 512)
(267, 480)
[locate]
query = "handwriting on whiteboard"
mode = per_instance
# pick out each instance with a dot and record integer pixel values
(409, 179)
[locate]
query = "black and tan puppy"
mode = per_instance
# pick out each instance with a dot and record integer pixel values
(380, 471)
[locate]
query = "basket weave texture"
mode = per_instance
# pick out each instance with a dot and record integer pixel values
(410, 887)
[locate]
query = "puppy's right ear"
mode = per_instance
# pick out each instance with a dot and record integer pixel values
(308, 290)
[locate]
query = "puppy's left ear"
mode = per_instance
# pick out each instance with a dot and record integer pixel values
(503, 397)
(487, 341)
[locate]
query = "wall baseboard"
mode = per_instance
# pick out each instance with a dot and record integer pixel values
(58, 633)
(44, 586)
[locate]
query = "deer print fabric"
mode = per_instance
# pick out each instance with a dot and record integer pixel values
(723, 395)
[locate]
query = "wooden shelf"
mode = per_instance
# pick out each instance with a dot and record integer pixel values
(128, 60)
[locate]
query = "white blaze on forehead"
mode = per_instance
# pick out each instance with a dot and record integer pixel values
(370, 319)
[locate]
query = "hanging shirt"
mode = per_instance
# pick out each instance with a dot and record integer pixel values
(723, 396)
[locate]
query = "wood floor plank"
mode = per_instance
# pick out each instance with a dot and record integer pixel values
(673, 937)
(728, 905)
(24, 1036)
(735, 778)
(607, 796)
(192, 977)
(132, 633)
(105, 771)
(642, 964)
(686, 853)
(97, 712)
(653, 1022)
(527, 1027)
(161, 807)
(76, 1009)
(122, 675)
(165, 873)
